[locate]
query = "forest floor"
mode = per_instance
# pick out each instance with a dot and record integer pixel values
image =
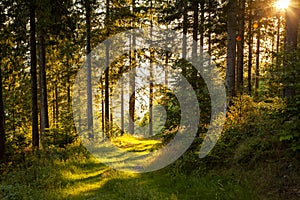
(56, 175)
(89, 179)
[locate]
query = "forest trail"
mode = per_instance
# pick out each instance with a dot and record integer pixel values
(93, 180)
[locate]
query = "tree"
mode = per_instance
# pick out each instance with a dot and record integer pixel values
(292, 24)
(240, 46)
(250, 41)
(107, 69)
(231, 48)
(132, 61)
(89, 70)
(195, 27)
(2, 123)
(43, 19)
(33, 73)
(184, 32)
(151, 78)
(257, 60)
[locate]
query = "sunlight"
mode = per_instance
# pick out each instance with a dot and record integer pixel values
(282, 4)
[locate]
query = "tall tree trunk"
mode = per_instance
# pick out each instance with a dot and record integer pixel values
(56, 106)
(231, 48)
(43, 81)
(250, 49)
(107, 128)
(68, 84)
(167, 69)
(132, 77)
(202, 20)
(89, 69)
(292, 23)
(240, 47)
(278, 40)
(151, 94)
(184, 29)
(102, 109)
(33, 73)
(122, 108)
(53, 110)
(257, 62)
(195, 27)
(209, 30)
(151, 76)
(2, 122)
(167, 58)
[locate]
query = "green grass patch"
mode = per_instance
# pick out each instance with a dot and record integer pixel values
(89, 179)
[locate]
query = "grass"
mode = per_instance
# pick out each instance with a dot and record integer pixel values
(79, 177)
(89, 179)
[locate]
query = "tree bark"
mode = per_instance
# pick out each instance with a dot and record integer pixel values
(43, 85)
(107, 127)
(2, 123)
(231, 48)
(257, 63)
(33, 73)
(202, 19)
(151, 78)
(122, 109)
(250, 49)
(89, 69)
(292, 23)
(240, 47)
(184, 33)
(132, 77)
(195, 27)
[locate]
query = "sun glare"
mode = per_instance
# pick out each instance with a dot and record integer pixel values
(282, 4)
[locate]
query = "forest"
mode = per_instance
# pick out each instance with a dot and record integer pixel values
(150, 99)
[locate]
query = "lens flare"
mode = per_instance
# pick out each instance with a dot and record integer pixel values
(282, 4)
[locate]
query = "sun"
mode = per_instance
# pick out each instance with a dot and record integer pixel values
(282, 4)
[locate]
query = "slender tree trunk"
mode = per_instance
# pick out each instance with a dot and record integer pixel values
(250, 49)
(292, 23)
(151, 94)
(202, 20)
(278, 40)
(102, 109)
(231, 48)
(240, 47)
(185, 29)
(43, 86)
(107, 128)
(167, 69)
(132, 95)
(167, 59)
(195, 28)
(257, 63)
(132, 78)
(122, 109)
(56, 106)
(68, 85)
(209, 30)
(53, 109)
(89, 69)
(2, 123)
(33, 73)
(151, 77)
(111, 110)
(107, 104)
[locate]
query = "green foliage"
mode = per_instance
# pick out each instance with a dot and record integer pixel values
(290, 132)
(250, 134)
(81, 178)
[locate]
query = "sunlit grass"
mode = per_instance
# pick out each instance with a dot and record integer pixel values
(130, 143)
(87, 178)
